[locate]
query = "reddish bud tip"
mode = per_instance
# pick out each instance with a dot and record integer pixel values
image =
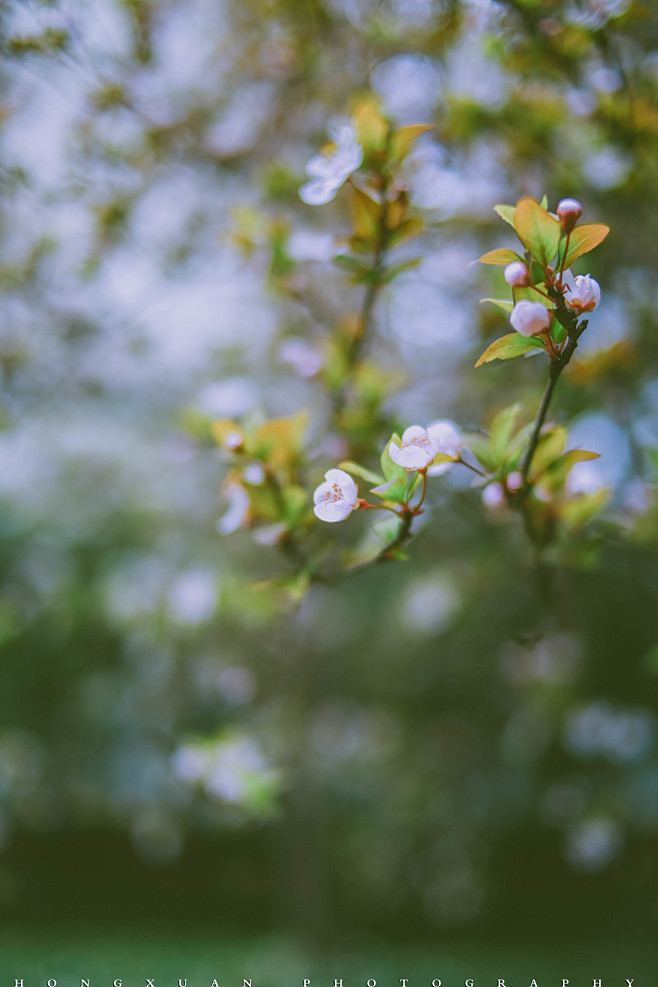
(569, 211)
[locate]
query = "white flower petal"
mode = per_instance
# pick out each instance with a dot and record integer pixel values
(383, 487)
(345, 483)
(238, 506)
(319, 166)
(411, 457)
(568, 281)
(317, 192)
(439, 469)
(322, 493)
(413, 432)
(335, 511)
(448, 436)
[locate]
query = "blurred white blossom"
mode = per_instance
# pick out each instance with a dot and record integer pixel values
(328, 171)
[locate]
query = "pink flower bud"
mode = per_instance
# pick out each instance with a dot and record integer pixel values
(516, 274)
(494, 495)
(530, 318)
(569, 211)
(233, 441)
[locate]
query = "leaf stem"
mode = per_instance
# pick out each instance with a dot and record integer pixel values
(564, 256)
(470, 467)
(424, 490)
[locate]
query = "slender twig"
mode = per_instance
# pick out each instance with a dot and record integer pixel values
(554, 371)
(403, 535)
(564, 256)
(556, 367)
(469, 466)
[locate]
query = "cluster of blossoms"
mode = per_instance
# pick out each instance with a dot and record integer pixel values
(551, 242)
(416, 452)
(580, 293)
(525, 467)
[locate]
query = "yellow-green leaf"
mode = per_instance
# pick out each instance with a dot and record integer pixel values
(538, 231)
(404, 137)
(532, 295)
(582, 508)
(502, 256)
(550, 446)
(371, 127)
(506, 213)
(507, 347)
(366, 215)
(501, 429)
(358, 470)
(558, 471)
(500, 302)
(582, 240)
(406, 231)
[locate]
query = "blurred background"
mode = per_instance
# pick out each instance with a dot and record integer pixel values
(421, 755)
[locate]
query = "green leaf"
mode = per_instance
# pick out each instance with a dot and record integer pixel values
(502, 256)
(368, 475)
(506, 213)
(582, 240)
(500, 302)
(532, 295)
(479, 446)
(558, 332)
(538, 231)
(507, 347)
(390, 469)
(348, 263)
(392, 272)
(393, 491)
(550, 446)
(544, 202)
(517, 447)
(387, 529)
(295, 501)
(501, 429)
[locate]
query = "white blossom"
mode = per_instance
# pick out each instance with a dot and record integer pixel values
(238, 509)
(304, 358)
(337, 497)
(327, 172)
(449, 439)
(417, 450)
(516, 274)
(530, 318)
(582, 292)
